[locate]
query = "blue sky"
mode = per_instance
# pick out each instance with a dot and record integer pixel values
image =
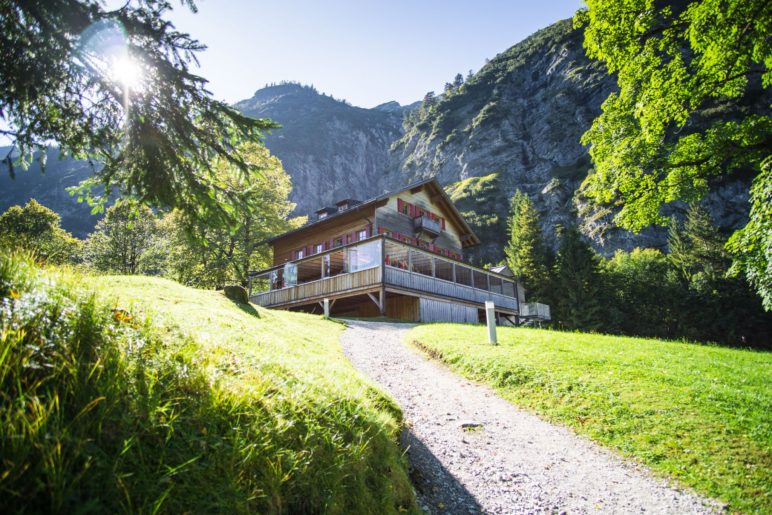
(364, 51)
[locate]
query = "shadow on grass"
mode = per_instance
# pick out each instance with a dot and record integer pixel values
(436, 488)
(249, 309)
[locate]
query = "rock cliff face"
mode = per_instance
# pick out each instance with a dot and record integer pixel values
(521, 117)
(515, 124)
(331, 149)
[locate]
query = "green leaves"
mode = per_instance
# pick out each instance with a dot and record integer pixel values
(526, 254)
(693, 104)
(155, 143)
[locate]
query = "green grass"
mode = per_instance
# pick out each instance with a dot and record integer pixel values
(182, 401)
(697, 413)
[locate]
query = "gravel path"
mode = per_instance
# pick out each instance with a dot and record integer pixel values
(470, 451)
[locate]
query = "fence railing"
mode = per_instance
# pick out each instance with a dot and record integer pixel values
(379, 260)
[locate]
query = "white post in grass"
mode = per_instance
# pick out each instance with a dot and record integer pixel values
(326, 308)
(490, 316)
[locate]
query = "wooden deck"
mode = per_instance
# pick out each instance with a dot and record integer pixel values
(420, 283)
(330, 287)
(384, 277)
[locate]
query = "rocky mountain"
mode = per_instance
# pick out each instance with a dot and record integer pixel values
(331, 149)
(49, 188)
(515, 124)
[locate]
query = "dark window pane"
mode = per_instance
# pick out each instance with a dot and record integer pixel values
(443, 269)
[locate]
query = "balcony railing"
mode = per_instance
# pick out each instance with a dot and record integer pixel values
(379, 262)
(425, 224)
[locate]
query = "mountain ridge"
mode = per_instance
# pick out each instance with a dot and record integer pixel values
(515, 124)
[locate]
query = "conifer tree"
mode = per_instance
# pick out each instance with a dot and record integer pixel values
(526, 254)
(577, 284)
(697, 249)
(713, 307)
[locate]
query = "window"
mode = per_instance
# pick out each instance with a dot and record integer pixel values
(480, 280)
(422, 263)
(337, 242)
(364, 256)
(443, 269)
(495, 284)
(396, 255)
(403, 207)
(290, 274)
(362, 235)
(300, 254)
(319, 247)
(463, 275)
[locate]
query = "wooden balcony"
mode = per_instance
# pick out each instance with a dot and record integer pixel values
(313, 291)
(381, 264)
(424, 224)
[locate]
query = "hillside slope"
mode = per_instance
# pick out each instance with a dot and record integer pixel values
(522, 117)
(178, 400)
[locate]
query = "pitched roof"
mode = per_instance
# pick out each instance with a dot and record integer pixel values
(469, 238)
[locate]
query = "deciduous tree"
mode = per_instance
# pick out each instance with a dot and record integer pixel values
(693, 107)
(36, 228)
(122, 238)
(222, 255)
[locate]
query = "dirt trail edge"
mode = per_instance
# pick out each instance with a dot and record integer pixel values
(472, 452)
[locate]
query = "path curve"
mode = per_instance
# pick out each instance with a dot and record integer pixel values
(513, 462)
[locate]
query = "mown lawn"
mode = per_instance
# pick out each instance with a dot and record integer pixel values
(701, 414)
(154, 397)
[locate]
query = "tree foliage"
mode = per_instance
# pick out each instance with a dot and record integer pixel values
(156, 139)
(577, 289)
(641, 294)
(36, 228)
(121, 239)
(693, 107)
(220, 255)
(526, 254)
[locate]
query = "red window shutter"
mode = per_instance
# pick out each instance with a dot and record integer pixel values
(400, 203)
(442, 221)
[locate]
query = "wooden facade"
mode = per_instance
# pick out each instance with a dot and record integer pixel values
(399, 255)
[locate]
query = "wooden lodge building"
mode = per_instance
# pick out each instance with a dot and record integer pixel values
(399, 255)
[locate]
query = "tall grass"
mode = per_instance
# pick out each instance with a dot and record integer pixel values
(104, 410)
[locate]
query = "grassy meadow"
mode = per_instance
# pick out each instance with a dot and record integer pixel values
(700, 414)
(152, 397)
